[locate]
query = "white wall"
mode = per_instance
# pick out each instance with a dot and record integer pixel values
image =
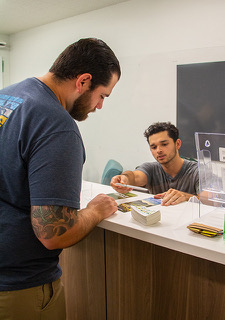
(150, 37)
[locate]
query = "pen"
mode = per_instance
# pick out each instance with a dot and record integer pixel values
(132, 187)
(208, 234)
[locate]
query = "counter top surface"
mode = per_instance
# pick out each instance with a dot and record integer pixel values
(171, 232)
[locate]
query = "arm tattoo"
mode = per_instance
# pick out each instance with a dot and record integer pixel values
(49, 221)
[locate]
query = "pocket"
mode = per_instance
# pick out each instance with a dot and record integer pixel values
(52, 302)
(47, 294)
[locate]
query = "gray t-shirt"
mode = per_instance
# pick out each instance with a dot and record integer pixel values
(187, 179)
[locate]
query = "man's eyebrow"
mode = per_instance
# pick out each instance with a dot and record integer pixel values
(162, 141)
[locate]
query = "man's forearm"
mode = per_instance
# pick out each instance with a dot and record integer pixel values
(59, 227)
(130, 176)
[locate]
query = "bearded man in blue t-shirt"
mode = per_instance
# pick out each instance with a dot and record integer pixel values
(41, 161)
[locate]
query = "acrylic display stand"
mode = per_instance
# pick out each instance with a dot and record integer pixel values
(211, 162)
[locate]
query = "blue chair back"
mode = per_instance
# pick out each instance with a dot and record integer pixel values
(112, 169)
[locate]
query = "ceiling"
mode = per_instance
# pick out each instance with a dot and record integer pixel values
(19, 15)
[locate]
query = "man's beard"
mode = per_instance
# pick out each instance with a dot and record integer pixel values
(81, 106)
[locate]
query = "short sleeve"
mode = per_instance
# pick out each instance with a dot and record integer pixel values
(55, 170)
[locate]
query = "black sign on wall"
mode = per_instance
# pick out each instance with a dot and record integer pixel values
(200, 102)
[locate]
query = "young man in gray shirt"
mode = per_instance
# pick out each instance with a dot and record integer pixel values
(171, 178)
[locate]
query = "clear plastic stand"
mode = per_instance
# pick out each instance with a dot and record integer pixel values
(189, 213)
(211, 162)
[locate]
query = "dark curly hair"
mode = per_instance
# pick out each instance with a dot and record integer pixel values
(157, 127)
(88, 55)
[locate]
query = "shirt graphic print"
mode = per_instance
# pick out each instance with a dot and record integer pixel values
(7, 105)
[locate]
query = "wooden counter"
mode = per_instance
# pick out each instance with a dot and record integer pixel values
(126, 271)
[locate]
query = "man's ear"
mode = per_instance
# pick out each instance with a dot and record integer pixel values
(178, 144)
(83, 82)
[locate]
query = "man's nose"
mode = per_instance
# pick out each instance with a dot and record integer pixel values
(99, 105)
(159, 149)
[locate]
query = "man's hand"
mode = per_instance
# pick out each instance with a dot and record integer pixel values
(103, 205)
(120, 179)
(172, 197)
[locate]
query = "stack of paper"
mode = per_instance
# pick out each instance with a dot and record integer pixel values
(146, 215)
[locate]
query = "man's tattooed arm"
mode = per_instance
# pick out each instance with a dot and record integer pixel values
(59, 227)
(50, 221)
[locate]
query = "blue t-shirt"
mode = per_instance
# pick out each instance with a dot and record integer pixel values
(41, 161)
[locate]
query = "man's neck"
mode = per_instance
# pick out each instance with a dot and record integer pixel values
(173, 167)
(49, 81)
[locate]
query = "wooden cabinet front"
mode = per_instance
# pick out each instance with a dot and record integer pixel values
(83, 267)
(115, 277)
(149, 282)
